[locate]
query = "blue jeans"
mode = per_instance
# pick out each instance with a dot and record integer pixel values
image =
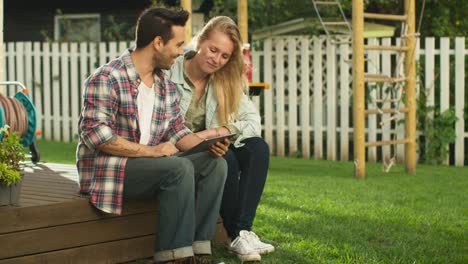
(247, 172)
(189, 190)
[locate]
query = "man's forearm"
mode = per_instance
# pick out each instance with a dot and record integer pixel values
(119, 146)
(188, 142)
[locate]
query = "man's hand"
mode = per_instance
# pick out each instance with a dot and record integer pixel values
(219, 149)
(118, 146)
(164, 150)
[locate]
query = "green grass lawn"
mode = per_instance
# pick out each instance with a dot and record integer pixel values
(316, 212)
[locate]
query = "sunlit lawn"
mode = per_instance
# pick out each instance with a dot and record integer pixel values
(316, 212)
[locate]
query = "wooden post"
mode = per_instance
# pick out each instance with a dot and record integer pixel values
(410, 65)
(187, 6)
(242, 20)
(358, 89)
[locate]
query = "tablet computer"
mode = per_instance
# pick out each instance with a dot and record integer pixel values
(205, 145)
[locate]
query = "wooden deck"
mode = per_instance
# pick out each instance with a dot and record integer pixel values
(53, 225)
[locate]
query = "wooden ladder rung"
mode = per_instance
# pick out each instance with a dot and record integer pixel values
(336, 23)
(326, 3)
(394, 100)
(386, 16)
(383, 143)
(383, 78)
(393, 48)
(386, 111)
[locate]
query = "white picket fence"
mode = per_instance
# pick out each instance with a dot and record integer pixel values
(307, 111)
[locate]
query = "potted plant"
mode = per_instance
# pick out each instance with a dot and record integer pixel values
(11, 154)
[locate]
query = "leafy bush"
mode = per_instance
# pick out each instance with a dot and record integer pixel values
(11, 154)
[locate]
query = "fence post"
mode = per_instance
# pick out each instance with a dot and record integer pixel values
(292, 95)
(459, 99)
(318, 86)
(305, 98)
(279, 87)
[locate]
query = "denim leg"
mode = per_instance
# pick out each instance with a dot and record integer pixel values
(210, 175)
(252, 161)
(230, 203)
(171, 180)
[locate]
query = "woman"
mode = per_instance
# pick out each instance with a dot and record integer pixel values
(211, 83)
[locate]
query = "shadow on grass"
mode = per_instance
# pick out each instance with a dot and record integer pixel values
(306, 235)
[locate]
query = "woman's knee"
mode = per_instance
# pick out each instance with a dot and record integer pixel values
(257, 146)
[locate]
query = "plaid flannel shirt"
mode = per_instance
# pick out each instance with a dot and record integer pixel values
(109, 109)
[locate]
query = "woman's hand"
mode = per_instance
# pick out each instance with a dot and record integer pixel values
(219, 149)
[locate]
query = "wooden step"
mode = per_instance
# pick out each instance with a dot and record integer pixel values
(385, 17)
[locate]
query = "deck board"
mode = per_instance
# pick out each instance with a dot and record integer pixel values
(52, 224)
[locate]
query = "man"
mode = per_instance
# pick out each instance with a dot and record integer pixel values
(130, 128)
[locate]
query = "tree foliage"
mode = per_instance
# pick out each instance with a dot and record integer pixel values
(439, 18)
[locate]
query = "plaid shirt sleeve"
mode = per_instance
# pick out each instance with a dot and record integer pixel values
(96, 125)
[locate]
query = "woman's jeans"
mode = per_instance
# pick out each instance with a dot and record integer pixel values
(189, 190)
(247, 172)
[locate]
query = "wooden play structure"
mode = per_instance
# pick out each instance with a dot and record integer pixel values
(404, 78)
(401, 83)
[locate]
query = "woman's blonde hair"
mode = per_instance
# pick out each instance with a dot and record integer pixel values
(229, 82)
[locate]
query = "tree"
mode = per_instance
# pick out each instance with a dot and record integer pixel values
(440, 18)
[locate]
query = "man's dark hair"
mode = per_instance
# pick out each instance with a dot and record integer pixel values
(157, 21)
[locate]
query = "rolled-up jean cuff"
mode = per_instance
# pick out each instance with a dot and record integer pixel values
(173, 254)
(201, 247)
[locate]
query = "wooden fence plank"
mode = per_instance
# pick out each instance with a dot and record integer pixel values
(344, 101)
(38, 85)
(373, 67)
(292, 96)
(65, 95)
(84, 68)
(305, 98)
(28, 69)
(74, 90)
(20, 73)
(268, 97)
(102, 53)
(11, 68)
(400, 127)
(46, 88)
(386, 128)
(445, 77)
(256, 78)
(318, 97)
(279, 102)
(56, 113)
(331, 100)
(459, 100)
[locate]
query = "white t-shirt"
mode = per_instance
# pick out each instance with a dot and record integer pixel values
(145, 105)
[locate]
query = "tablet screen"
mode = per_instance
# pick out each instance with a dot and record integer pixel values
(205, 145)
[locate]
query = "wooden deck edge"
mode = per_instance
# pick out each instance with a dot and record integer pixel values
(68, 212)
(109, 252)
(76, 235)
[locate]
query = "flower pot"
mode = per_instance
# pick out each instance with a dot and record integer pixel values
(9, 195)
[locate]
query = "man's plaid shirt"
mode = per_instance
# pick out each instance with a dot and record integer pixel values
(109, 109)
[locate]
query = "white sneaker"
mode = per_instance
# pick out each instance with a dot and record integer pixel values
(255, 243)
(243, 250)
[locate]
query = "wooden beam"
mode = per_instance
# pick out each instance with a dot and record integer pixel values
(358, 89)
(385, 17)
(410, 66)
(187, 6)
(242, 20)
